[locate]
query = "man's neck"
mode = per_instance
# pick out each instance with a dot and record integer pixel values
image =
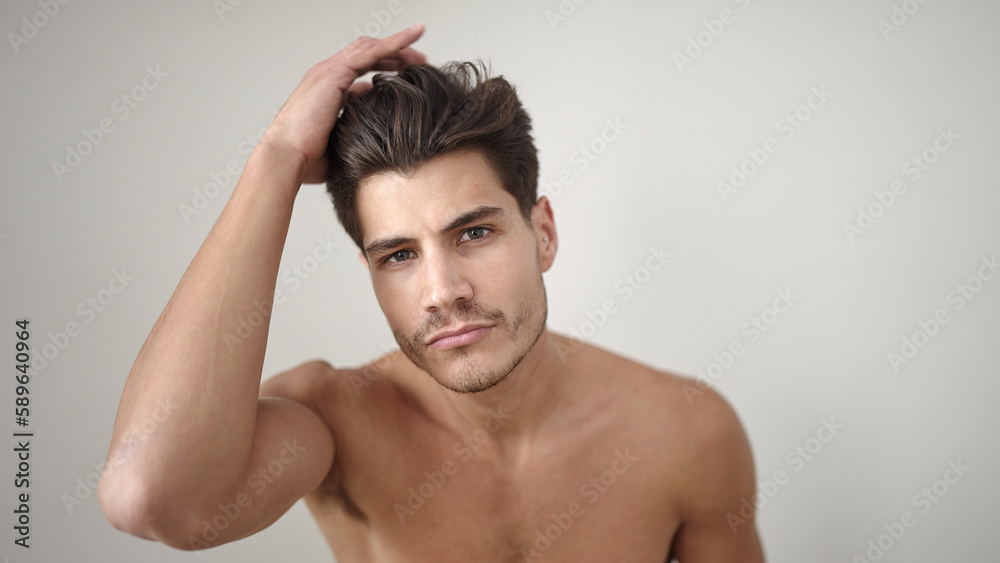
(515, 410)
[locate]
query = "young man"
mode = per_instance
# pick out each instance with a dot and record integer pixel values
(486, 437)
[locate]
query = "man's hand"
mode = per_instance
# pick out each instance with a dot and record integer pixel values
(302, 127)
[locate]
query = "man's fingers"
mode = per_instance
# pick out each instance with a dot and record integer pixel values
(410, 55)
(398, 41)
(365, 52)
(397, 61)
(389, 63)
(358, 88)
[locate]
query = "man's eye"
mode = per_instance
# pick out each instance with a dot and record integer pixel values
(398, 256)
(474, 233)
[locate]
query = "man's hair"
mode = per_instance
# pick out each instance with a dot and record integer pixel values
(422, 112)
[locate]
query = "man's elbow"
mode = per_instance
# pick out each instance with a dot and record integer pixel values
(136, 506)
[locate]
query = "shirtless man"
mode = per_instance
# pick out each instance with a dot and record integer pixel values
(486, 438)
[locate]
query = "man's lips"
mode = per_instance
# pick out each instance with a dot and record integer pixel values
(448, 339)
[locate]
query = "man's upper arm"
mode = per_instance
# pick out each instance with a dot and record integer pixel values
(292, 454)
(718, 521)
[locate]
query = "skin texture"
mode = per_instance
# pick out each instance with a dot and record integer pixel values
(565, 452)
(488, 275)
(613, 449)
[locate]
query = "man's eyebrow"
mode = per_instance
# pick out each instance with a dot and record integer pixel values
(477, 214)
(378, 246)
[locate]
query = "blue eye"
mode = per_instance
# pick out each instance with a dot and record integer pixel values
(474, 233)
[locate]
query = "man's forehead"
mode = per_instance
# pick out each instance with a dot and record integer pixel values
(440, 190)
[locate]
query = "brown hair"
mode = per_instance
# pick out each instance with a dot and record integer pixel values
(422, 112)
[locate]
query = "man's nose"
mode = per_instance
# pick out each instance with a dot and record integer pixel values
(445, 282)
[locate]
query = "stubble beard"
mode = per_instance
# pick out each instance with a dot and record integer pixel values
(475, 375)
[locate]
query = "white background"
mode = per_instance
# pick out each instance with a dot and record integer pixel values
(687, 123)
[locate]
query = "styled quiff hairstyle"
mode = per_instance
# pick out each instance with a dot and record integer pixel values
(422, 112)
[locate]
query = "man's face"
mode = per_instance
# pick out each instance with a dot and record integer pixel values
(456, 268)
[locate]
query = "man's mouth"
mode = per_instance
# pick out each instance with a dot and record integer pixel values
(460, 336)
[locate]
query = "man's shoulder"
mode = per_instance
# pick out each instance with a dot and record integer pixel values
(686, 405)
(667, 402)
(668, 390)
(691, 435)
(318, 383)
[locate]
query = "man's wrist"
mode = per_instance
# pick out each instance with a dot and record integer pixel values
(281, 163)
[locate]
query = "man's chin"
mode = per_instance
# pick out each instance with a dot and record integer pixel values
(470, 383)
(466, 371)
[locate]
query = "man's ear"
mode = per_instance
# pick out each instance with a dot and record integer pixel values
(544, 225)
(364, 260)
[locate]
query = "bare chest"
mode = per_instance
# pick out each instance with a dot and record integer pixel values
(425, 496)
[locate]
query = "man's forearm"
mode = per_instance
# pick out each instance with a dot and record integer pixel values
(192, 385)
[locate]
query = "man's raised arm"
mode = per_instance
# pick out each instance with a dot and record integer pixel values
(191, 429)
